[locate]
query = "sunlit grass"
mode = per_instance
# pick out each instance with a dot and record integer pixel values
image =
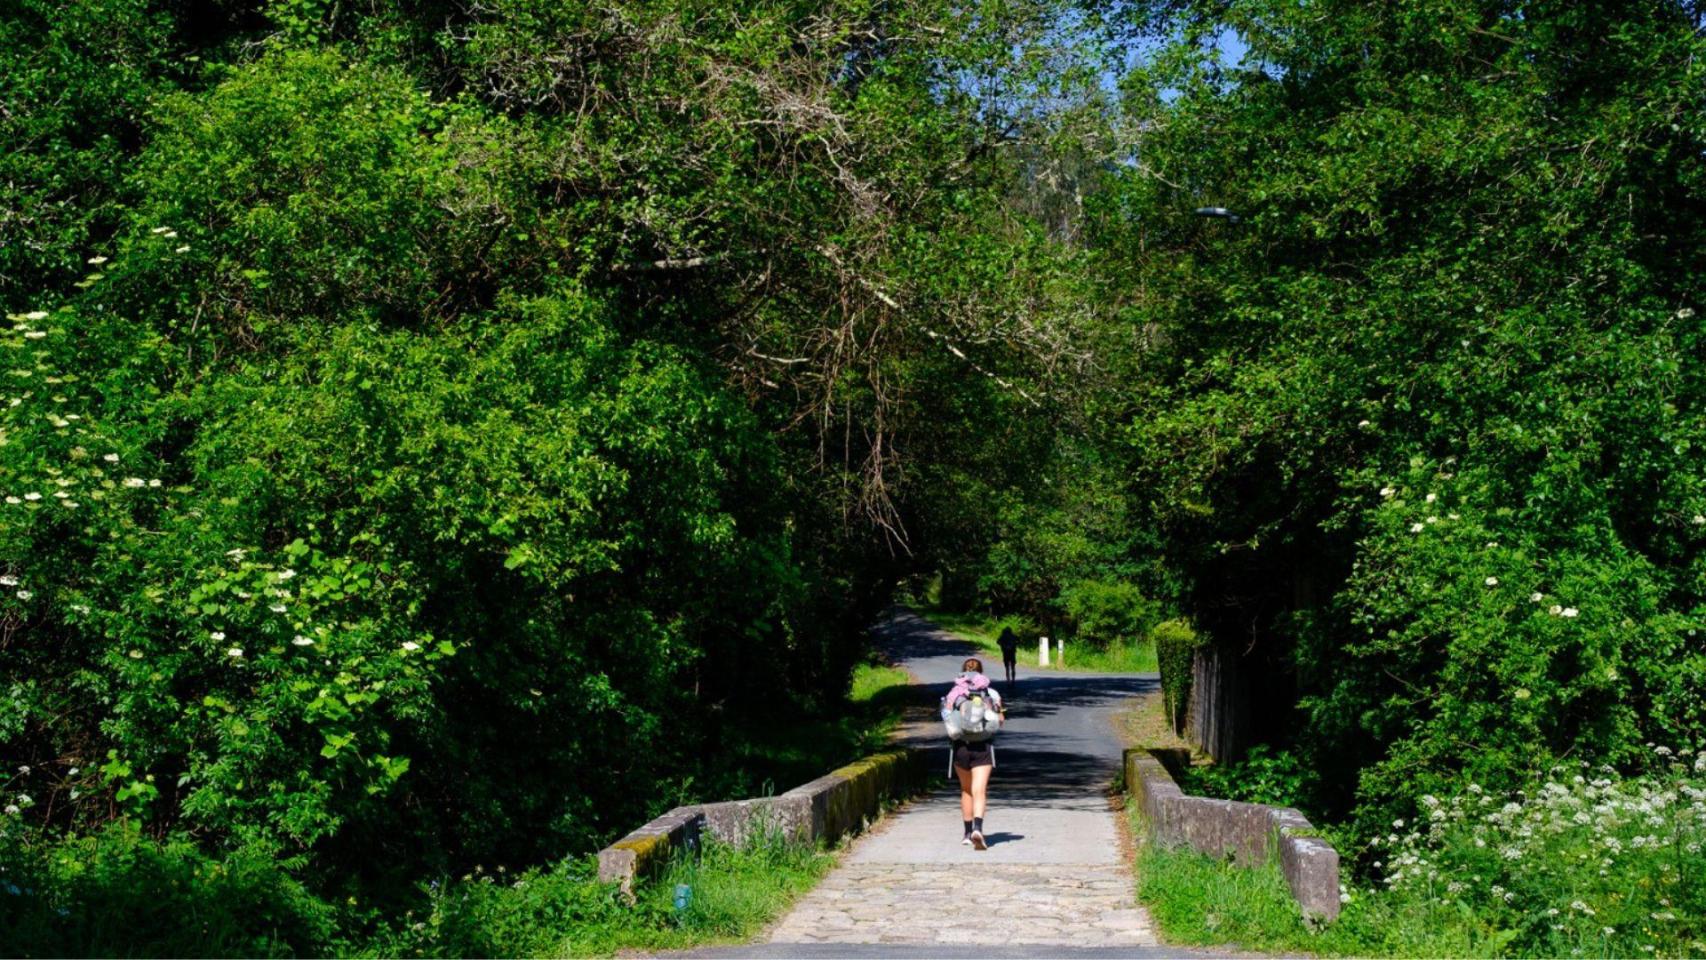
(983, 629)
(1196, 900)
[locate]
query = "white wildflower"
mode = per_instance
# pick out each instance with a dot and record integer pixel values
(32, 495)
(111, 458)
(301, 641)
(7, 580)
(134, 482)
(1536, 597)
(217, 635)
(36, 315)
(1555, 610)
(12, 809)
(1416, 528)
(1430, 498)
(1364, 424)
(277, 608)
(1387, 492)
(1492, 581)
(183, 249)
(96, 261)
(24, 769)
(234, 652)
(159, 230)
(411, 646)
(24, 594)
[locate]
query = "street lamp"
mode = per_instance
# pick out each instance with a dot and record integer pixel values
(1219, 213)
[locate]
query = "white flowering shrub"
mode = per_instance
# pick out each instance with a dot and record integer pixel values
(1586, 863)
(1487, 643)
(390, 588)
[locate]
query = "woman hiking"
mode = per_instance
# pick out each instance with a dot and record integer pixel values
(972, 710)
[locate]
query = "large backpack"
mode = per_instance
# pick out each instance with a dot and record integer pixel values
(972, 716)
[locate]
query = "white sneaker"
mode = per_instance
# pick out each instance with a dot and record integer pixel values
(976, 839)
(967, 841)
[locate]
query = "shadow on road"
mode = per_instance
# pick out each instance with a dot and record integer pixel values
(1059, 748)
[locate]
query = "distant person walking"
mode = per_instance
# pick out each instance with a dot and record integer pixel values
(972, 711)
(1009, 644)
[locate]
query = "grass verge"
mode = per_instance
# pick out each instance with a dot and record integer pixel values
(118, 893)
(732, 894)
(1196, 900)
(983, 629)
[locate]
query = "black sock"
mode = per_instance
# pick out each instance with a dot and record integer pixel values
(968, 828)
(977, 824)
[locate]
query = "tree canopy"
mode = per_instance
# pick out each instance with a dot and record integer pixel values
(432, 433)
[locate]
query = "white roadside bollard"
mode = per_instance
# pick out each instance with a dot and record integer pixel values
(1060, 652)
(1042, 652)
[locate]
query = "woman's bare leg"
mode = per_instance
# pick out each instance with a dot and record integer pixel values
(979, 788)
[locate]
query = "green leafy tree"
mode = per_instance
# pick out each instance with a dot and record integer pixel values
(1424, 422)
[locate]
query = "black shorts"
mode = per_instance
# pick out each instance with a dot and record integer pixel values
(969, 755)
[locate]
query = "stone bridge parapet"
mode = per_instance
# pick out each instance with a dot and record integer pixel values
(1246, 833)
(826, 809)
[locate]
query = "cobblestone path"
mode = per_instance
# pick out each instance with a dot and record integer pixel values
(1040, 904)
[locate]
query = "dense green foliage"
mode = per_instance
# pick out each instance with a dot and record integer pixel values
(116, 893)
(440, 434)
(1421, 432)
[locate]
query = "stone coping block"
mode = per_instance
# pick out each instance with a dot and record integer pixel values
(1247, 833)
(648, 848)
(825, 809)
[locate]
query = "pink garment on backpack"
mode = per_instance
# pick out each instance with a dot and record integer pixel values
(969, 683)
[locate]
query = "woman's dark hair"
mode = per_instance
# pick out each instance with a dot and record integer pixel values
(972, 664)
